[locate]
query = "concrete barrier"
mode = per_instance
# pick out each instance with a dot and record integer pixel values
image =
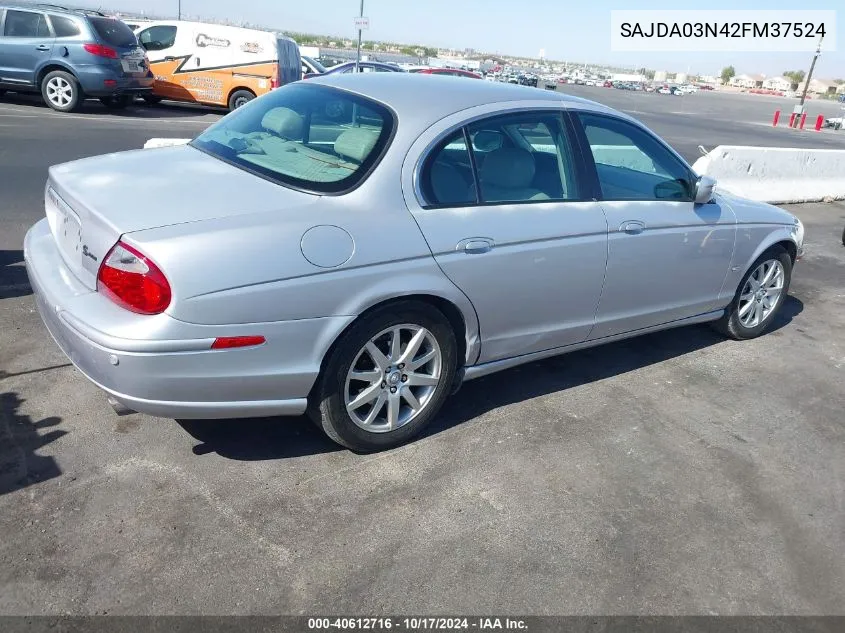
(776, 174)
(165, 142)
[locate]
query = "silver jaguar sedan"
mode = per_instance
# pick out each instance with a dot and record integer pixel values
(355, 247)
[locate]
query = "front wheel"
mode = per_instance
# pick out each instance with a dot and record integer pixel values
(386, 378)
(61, 91)
(760, 295)
(152, 99)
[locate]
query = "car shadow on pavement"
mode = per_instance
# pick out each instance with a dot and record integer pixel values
(13, 278)
(564, 372)
(20, 466)
(255, 439)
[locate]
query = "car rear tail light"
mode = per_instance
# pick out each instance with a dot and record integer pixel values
(228, 342)
(132, 281)
(109, 83)
(275, 83)
(101, 51)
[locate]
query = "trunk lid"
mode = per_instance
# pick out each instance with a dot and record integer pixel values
(91, 202)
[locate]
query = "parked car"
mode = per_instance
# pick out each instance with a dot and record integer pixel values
(665, 90)
(363, 67)
(215, 64)
(448, 72)
(308, 253)
(69, 56)
(311, 66)
(607, 84)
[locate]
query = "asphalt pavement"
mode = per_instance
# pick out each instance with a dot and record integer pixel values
(677, 473)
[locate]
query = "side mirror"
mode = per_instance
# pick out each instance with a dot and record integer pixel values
(704, 187)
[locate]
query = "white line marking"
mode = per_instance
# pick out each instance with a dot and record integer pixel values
(21, 116)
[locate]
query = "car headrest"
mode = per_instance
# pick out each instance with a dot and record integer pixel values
(509, 167)
(283, 122)
(356, 143)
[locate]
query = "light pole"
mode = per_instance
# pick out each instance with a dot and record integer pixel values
(800, 108)
(179, 15)
(358, 56)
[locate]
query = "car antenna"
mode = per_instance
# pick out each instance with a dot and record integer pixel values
(703, 151)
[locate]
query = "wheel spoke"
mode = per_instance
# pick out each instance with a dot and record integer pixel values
(421, 380)
(411, 399)
(367, 375)
(758, 313)
(378, 357)
(395, 345)
(743, 311)
(748, 296)
(422, 360)
(769, 273)
(394, 403)
(413, 347)
(377, 407)
(367, 395)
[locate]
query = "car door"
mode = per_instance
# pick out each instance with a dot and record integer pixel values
(507, 218)
(26, 44)
(667, 256)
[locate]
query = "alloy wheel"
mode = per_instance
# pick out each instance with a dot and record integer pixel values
(59, 92)
(393, 378)
(761, 293)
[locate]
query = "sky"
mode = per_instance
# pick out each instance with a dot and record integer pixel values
(570, 30)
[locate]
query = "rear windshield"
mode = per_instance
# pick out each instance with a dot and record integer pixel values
(114, 32)
(306, 136)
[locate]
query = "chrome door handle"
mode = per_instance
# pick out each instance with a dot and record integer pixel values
(632, 227)
(475, 245)
(42, 47)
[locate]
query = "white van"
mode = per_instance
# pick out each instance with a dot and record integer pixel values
(216, 64)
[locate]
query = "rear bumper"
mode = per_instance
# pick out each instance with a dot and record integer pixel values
(176, 375)
(93, 78)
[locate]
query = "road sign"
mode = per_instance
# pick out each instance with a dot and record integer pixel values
(361, 23)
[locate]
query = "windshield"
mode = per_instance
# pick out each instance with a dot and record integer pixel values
(310, 137)
(320, 68)
(114, 32)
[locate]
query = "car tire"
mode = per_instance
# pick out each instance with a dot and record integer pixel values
(152, 99)
(741, 320)
(118, 102)
(61, 91)
(2, 93)
(240, 98)
(389, 383)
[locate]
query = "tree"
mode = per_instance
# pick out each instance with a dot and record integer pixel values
(795, 76)
(728, 73)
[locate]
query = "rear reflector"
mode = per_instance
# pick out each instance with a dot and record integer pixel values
(101, 51)
(111, 83)
(228, 342)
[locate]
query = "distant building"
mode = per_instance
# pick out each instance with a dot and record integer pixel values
(748, 81)
(819, 86)
(680, 78)
(628, 77)
(782, 84)
(660, 75)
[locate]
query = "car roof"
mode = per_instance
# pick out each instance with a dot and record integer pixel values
(53, 8)
(410, 95)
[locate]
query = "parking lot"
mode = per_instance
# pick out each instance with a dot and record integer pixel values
(676, 473)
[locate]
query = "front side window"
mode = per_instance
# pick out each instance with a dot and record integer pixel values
(64, 27)
(310, 137)
(633, 165)
(25, 24)
(158, 38)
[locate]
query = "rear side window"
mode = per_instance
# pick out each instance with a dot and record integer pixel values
(309, 137)
(64, 27)
(25, 24)
(158, 38)
(447, 177)
(113, 32)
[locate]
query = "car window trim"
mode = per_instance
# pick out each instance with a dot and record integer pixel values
(590, 160)
(566, 128)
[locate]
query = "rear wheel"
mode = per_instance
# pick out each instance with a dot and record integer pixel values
(61, 91)
(386, 378)
(152, 99)
(240, 98)
(2, 92)
(760, 295)
(117, 102)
